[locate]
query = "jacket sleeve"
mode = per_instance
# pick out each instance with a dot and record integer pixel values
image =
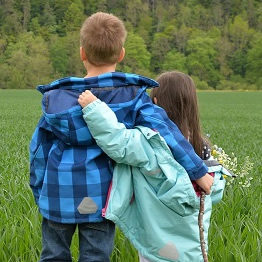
(40, 145)
(155, 117)
(126, 146)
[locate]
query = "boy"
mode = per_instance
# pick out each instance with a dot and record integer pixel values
(69, 174)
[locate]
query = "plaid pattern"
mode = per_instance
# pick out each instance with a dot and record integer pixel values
(66, 165)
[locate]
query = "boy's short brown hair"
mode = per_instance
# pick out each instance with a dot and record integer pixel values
(102, 37)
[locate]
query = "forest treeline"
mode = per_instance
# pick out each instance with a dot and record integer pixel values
(217, 42)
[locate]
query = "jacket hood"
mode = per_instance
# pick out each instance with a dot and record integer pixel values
(63, 115)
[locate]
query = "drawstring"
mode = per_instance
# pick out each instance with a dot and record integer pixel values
(201, 226)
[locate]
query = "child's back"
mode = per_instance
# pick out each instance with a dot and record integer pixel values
(70, 174)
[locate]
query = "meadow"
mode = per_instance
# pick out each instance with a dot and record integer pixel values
(234, 121)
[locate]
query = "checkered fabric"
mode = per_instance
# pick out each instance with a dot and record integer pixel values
(67, 166)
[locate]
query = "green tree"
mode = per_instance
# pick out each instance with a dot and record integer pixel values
(202, 59)
(59, 55)
(200, 17)
(117, 7)
(92, 6)
(137, 58)
(163, 42)
(238, 62)
(259, 19)
(34, 26)
(27, 63)
(36, 7)
(224, 48)
(175, 61)
(254, 63)
(144, 28)
(159, 17)
(184, 15)
(181, 37)
(48, 17)
(75, 66)
(12, 18)
(239, 33)
(73, 17)
(26, 13)
(217, 13)
(201, 84)
(252, 15)
(160, 47)
(133, 10)
(3, 45)
(60, 7)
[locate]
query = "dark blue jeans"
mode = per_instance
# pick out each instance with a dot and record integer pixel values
(96, 241)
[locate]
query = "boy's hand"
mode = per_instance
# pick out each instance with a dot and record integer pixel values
(86, 98)
(206, 182)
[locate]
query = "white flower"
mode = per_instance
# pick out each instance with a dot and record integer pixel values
(230, 162)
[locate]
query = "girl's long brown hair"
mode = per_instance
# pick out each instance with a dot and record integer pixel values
(177, 95)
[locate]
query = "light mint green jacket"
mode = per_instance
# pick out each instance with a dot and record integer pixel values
(152, 199)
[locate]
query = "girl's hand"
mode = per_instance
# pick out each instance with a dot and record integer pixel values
(86, 98)
(206, 182)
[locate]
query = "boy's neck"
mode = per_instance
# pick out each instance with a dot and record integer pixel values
(93, 70)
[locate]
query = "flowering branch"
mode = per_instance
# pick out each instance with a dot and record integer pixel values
(230, 162)
(201, 226)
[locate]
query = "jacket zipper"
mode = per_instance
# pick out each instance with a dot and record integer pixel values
(107, 200)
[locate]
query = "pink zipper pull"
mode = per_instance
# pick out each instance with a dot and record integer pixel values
(107, 199)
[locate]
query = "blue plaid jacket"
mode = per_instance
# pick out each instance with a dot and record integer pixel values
(69, 173)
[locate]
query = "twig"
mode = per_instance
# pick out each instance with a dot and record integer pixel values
(201, 226)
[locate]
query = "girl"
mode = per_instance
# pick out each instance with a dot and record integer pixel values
(177, 95)
(152, 199)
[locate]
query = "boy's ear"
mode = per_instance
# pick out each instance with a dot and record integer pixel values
(122, 55)
(82, 54)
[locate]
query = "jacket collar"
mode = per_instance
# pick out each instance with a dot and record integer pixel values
(112, 79)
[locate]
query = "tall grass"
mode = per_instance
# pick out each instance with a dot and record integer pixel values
(234, 122)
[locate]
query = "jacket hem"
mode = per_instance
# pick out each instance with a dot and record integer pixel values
(72, 221)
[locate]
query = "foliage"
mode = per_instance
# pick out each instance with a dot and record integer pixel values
(26, 62)
(211, 40)
(232, 85)
(176, 60)
(201, 59)
(254, 63)
(138, 58)
(201, 84)
(239, 32)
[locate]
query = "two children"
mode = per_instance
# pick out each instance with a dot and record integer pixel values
(69, 173)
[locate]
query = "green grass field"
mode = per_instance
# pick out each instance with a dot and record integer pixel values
(234, 120)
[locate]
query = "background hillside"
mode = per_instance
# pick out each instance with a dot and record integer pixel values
(218, 42)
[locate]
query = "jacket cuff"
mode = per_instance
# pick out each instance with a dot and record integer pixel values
(90, 106)
(199, 173)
